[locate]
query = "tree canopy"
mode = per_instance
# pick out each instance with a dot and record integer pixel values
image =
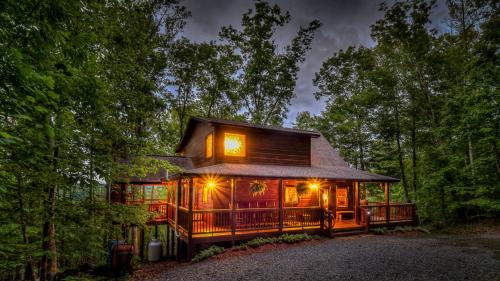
(421, 105)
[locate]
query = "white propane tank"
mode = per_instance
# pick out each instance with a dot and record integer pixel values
(154, 250)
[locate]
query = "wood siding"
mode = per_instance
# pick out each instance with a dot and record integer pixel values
(266, 147)
(195, 147)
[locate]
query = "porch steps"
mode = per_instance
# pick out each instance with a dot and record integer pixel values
(348, 233)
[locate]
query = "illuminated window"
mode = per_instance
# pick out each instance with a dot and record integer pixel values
(204, 195)
(209, 145)
(234, 145)
(342, 201)
(291, 195)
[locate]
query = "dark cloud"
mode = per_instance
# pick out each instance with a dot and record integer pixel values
(345, 23)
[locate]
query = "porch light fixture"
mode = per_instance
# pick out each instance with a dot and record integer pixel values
(314, 185)
(234, 145)
(211, 184)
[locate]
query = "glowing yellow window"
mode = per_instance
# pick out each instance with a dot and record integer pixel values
(209, 147)
(291, 195)
(234, 145)
(204, 195)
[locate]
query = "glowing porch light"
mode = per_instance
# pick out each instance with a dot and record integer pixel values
(314, 185)
(211, 184)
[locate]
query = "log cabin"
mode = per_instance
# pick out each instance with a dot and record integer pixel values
(242, 180)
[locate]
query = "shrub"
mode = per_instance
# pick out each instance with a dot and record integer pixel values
(259, 241)
(241, 247)
(379, 230)
(294, 238)
(423, 229)
(255, 243)
(205, 254)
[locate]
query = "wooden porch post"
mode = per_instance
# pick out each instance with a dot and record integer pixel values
(177, 204)
(356, 202)
(387, 203)
(233, 212)
(172, 242)
(331, 207)
(280, 206)
(167, 228)
(190, 245)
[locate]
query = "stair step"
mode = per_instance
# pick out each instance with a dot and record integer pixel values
(348, 233)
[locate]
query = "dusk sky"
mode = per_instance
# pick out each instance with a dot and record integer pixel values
(344, 23)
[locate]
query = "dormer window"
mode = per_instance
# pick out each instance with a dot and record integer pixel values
(234, 145)
(209, 146)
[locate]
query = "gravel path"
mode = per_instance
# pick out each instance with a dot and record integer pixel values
(369, 257)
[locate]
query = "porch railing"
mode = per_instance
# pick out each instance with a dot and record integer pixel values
(301, 217)
(211, 221)
(256, 219)
(159, 210)
(394, 213)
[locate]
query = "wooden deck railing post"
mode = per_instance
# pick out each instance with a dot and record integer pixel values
(280, 206)
(356, 202)
(322, 221)
(168, 240)
(233, 212)
(330, 223)
(177, 204)
(190, 246)
(387, 203)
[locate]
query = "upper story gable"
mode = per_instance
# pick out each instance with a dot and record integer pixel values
(210, 141)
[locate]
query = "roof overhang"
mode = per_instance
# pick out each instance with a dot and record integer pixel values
(296, 172)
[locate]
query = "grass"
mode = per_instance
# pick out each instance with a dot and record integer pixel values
(255, 243)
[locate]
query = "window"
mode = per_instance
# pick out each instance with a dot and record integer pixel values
(291, 195)
(204, 195)
(209, 146)
(234, 145)
(342, 197)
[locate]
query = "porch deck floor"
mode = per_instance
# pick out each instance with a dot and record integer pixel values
(344, 225)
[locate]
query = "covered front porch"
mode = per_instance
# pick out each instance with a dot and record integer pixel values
(226, 208)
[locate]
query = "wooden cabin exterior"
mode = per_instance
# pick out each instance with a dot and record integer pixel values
(308, 186)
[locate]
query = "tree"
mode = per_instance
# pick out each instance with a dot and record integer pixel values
(429, 105)
(344, 80)
(266, 77)
(200, 77)
(78, 97)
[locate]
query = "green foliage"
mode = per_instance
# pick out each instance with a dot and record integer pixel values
(379, 230)
(402, 229)
(78, 99)
(284, 238)
(255, 243)
(422, 106)
(266, 81)
(205, 254)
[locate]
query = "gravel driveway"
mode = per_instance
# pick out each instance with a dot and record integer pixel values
(369, 257)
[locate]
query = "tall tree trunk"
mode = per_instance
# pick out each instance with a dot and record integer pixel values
(495, 150)
(30, 267)
(49, 260)
(400, 155)
(414, 154)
